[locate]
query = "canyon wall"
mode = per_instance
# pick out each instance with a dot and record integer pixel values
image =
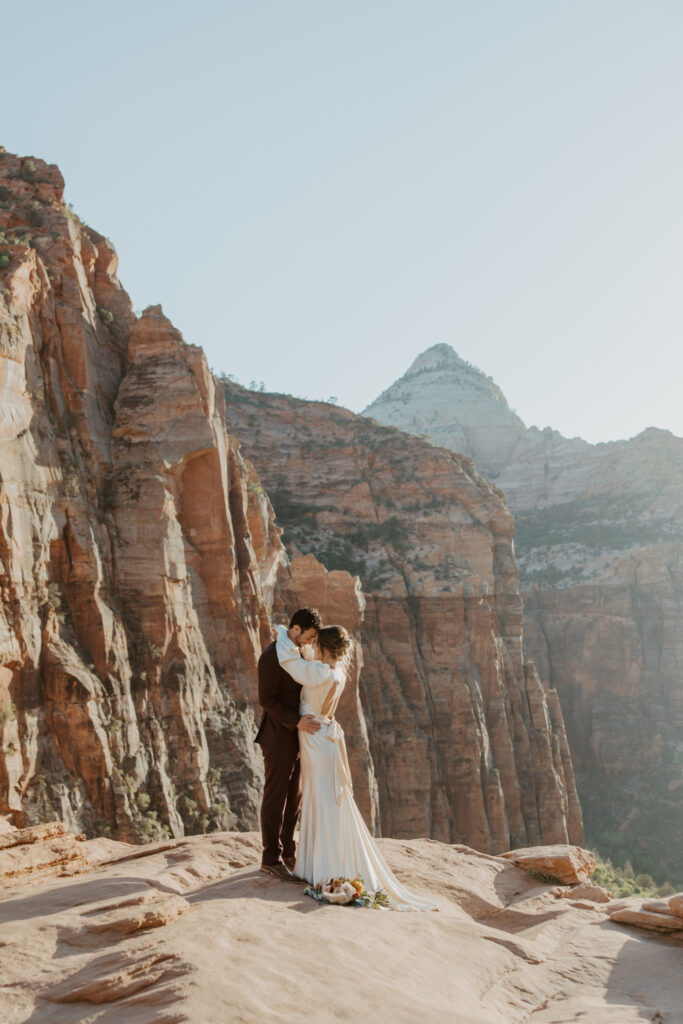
(599, 545)
(139, 558)
(465, 744)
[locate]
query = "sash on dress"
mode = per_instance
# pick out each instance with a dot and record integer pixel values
(335, 734)
(342, 772)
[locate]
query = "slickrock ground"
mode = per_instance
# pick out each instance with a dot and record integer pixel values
(465, 744)
(599, 543)
(191, 931)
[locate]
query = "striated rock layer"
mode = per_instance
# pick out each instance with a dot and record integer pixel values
(465, 744)
(599, 543)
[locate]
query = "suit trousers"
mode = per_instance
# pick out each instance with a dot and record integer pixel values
(281, 804)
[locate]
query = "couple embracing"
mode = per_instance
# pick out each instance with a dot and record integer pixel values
(301, 676)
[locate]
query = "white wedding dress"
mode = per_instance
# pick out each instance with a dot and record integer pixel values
(334, 841)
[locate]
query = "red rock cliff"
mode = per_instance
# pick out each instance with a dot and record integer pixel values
(139, 556)
(138, 560)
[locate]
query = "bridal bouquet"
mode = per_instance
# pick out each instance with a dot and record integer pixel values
(348, 892)
(341, 890)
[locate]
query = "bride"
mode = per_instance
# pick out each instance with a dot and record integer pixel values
(334, 841)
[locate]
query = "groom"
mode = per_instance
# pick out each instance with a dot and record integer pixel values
(278, 736)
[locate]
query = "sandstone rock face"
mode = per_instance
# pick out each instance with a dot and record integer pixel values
(138, 554)
(599, 543)
(612, 647)
(465, 744)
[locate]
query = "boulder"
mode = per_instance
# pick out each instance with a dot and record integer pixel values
(588, 891)
(566, 864)
(676, 904)
(648, 919)
(657, 906)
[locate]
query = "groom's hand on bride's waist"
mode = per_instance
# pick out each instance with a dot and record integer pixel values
(308, 723)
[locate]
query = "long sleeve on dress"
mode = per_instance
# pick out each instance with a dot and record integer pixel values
(308, 673)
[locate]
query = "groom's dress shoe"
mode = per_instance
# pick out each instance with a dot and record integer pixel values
(280, 872)
(289, 863)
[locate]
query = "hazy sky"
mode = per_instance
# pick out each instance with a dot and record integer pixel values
(317, 191)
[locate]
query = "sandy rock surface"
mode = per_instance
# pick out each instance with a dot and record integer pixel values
(201, 935)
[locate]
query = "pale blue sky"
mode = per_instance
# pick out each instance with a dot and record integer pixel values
(318, 191)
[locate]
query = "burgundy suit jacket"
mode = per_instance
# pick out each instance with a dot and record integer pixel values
(278, 695)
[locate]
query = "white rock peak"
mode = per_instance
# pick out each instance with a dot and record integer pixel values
(451, 401)
(439, 356)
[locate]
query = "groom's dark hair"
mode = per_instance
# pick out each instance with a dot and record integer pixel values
(306, 618)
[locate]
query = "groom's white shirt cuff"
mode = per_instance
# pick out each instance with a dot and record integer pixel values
(307, 673)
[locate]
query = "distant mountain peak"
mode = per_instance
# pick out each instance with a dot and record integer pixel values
(436, 357)
(456, 405)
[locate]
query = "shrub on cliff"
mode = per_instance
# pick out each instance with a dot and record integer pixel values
(35, 216)
(28, 170)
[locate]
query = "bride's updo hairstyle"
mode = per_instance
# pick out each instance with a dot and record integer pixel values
(335, 640)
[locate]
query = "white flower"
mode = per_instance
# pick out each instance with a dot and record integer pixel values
(339, 893)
